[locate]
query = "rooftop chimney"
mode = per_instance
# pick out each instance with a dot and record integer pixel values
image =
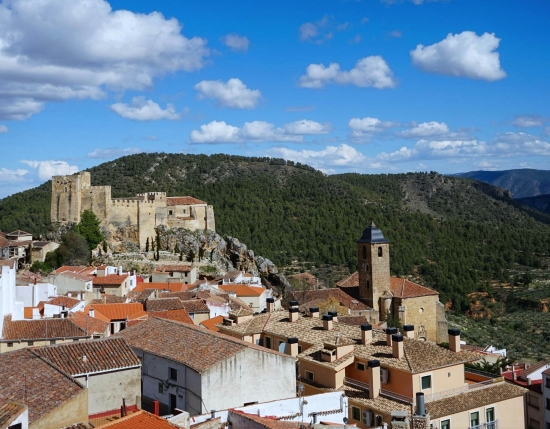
(373, 377)
(366, 334)
(120, 270)
(409, 331)
(91, 312)
(293, 304)
(389, 333)
(270, 303)
(334, 315)
(454, 340)
(292, 346)
(327, 322)
(293, 314)
(314, 312)
(397, 345)
(420, 410)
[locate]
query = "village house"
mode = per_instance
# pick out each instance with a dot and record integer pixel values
(546, 397)
(174, 273)
(40, 249)
(197, 370)
(254, 296)
(383, 372)
(117, 315)
(240, 277)
(108, 368)
(197, 309)
(32, 294)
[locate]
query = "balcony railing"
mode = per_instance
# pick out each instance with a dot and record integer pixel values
(488, 425)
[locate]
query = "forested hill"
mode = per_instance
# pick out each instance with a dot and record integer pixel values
(456, 233)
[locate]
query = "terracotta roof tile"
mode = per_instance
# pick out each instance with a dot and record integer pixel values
(80, 269)
(172, 287)
(77, 276)
(141, 295)
(64, 301)
(90, 356)
(36, 329)
(211, 323)
(89, 324)
(25, 377)
(139, 420)
(304, 297)
(350, 281)
(109, 299)
(195, 306)
(266, 422)
(177, 315)
(403, 288)
(184, 296)
(243, 290)
(182, 201)
(12, 263)
(163, 304)
(9, 412)
(110, 280)
(527, 372)
(117, 311)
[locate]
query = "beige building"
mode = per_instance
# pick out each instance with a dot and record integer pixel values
(410, 303)
(382, 372)
(174, 274)
(132, 218)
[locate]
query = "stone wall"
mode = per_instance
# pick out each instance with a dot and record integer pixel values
(374, 272)
(420, 312)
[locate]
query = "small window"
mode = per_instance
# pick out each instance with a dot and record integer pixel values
(10, 344)
(30, 343)
(310, 376)
(368, 284)
(426, 382)
(267, 341)
(490, 415)
(445, 424)
(380, 251)
(192, 315)
(379, 420)
(161, 388)
(173, 374)
(547, 382)
(299, 349)
(52, 342)
(282, 346)
(170, 212)
(356, 413)
(474, 419)
(360, 366)
(364, 252)
(548, 403)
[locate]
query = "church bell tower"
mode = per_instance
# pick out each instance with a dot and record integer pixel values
(373, 257)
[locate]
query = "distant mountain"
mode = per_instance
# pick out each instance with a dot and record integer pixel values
(521, 183)
(540, 202)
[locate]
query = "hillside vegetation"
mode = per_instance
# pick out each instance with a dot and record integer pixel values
(457, 235)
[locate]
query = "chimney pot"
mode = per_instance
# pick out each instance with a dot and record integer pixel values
(334, 315)
(420, 410)
(409, 331)
(389, 333)
(293, 304)
(314, 311)
(270, 304)
(327, 322)
(293, 314)
(397, 346)
(373, 378)
(366, 334)
(454, 340)
(292, 346)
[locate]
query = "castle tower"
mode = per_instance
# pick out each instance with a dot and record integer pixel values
(66, 197)
(373, 257)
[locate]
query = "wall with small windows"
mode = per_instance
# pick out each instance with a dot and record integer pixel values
(442, 379)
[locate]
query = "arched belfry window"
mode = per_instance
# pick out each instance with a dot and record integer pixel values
(364, 252)
(379, 251)
(368, 284)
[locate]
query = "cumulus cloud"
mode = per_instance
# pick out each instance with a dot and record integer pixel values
(7, 175)
(54, 51)
(332, 156)
(525, 121)
(321, 30)
(362, 129)
(3, 129)
(426, 129)
(112, 152)
(235, 42)
(370, 71)
(47, 169)
(256, 131)
(232, 94)
(141, 109)
(462, 55)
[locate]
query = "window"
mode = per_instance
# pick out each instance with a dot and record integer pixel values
(547, 381)
(192, 315)
(384, 376)
(52, 342)
(30, 343)
(170, 212)
(282, 345)
(368, 284)
(426, 382)
(379, 251)
(474, 419)
(173, 374)
(299, 349)
(532, 401)
(548, 403)
(378, 420)
(310, 376)
(267, 341)
(356, 413)
(360, 366)
(365, 252)
(10, 344)
(161, 388)
(445, 424)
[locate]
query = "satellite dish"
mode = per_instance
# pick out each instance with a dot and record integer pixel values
(346, 420)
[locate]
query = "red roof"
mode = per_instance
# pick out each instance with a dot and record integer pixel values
(535, 386)
(350, 281)
(243, 290)
(117, 311)
(177, 315)
(92, 325)
(110, 280)
(139, 420)
(403, 288)
(211, 323)
(183, 201)
(172, 287)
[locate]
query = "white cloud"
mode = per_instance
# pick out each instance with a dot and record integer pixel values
(54, 50)
(362, 129)
(356, 39)
(308, 31)
(427, 129)
(112, 152)
(3, 129)
(332, 156)
(141, 109)
(7, 175)
(462, 55)
(487, 165)
(525, 121)
(321, 30)
(236, 43)
(256, 131)
(232, 94)
(396, 34)
(47, 169)
(370, 71)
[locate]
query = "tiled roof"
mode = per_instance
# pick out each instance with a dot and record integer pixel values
(211, 323)
(535, 386)
(139, 420)
(350, 281)
(265, 422)
(419, 356)
(403, 288)
(352, 320)
(89, 324)
(172, 287)
(9, 412)
(109, 299)
(184, 296)
(141, 295)
(64, 301)
(193, 346)
(182, 201)
(77, 276)
(173, 268)
(110, 280)
(12, 263)
(25, 377)
(81, 269)
(308, 278)
(163, 304)
(195, 306)
(18, 233)
(236, 303)
(177, 315)
(380, 405)
(304, 297)
(243, 290)
(117, 311)
(90, 356)
(40, 329)
(473, 399)
(546, 372)
(527, 372)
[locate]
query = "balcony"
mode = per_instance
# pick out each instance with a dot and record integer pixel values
(488, 425)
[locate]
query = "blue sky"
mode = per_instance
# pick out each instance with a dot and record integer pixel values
(368, 86)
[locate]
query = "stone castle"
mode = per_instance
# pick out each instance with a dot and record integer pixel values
(131, 219)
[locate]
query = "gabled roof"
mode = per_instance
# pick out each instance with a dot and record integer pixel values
(110, 280)
(139, 420)
(109, 299)
(9, 412)
(172, 287)
(64, 301)
(182, 201)
(211, 323)
(163, 304)
(533, 368)
(403, 288)
(117, 311)
(17, 233)
(243, 290)
(304, 297)
(37, 329)
(350, 281)
(177, 315)
(195, 347)
(88, 357)
(89, 324)
(25, 377)
(266, 422)
(195, 306)
(78, 276)
(80, 269)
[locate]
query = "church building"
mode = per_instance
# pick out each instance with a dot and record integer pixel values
(393, 297)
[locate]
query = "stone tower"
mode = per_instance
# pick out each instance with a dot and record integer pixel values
(67, 197)
(373, 257)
